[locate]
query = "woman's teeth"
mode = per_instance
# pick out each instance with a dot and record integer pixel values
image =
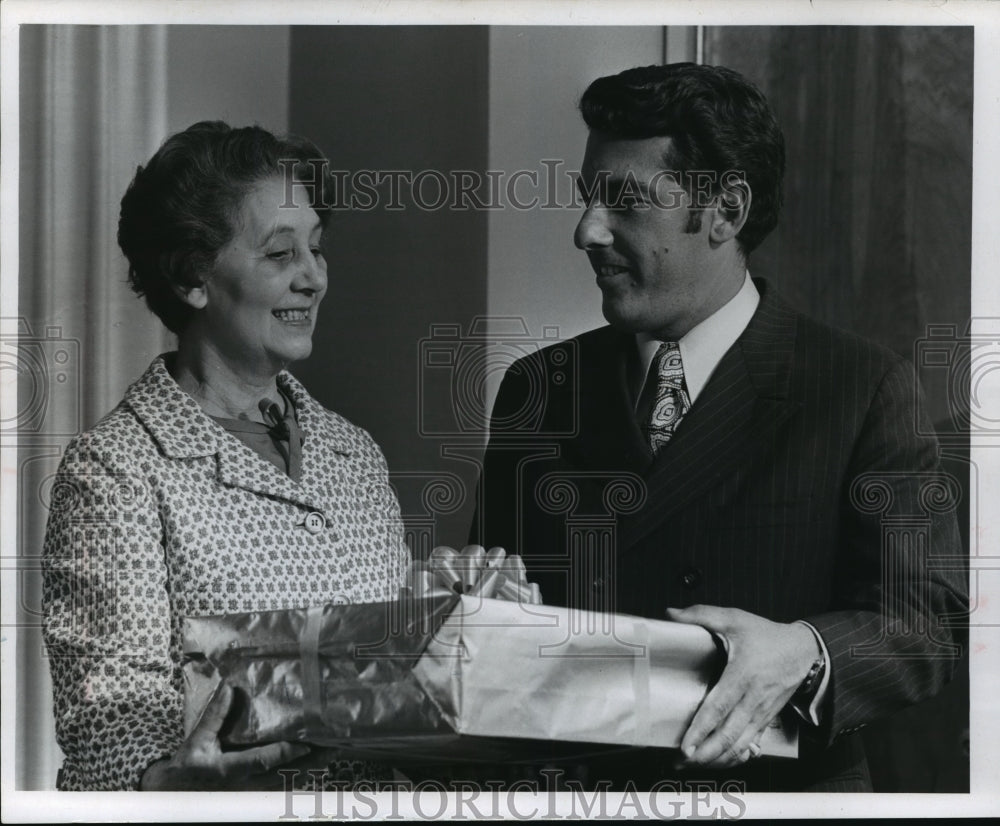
(291, 315)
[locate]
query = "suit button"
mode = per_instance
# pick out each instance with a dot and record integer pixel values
(690, 577)
(315, 522)
(597, 584)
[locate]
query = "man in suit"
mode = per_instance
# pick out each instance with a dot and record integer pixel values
(714, 457)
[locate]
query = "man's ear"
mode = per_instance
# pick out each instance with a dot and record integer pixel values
(194, 295)
(731, 210)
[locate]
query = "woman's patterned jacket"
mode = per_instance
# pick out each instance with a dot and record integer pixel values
(157, 514)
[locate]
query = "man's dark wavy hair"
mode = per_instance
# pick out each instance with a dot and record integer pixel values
(716, 119)
(183, 206)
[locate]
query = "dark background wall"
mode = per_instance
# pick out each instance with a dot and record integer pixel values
(396, 98)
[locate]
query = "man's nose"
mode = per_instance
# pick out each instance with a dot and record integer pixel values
(592, 232)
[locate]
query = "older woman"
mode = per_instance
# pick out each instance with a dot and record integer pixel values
(218, 484)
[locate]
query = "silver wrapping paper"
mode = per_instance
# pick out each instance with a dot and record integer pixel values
(456, 678)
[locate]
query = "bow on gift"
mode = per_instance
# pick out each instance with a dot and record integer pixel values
(475, 571)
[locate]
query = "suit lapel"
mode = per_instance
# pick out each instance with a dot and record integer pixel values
(609, 438)
(744, 403)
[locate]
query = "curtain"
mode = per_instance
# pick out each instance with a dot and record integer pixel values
(876, 231)
(92, 106)
(876, 237)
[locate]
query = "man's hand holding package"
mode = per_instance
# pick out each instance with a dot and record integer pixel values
(767, 662)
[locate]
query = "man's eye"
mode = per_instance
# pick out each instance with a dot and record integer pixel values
(587, 194)
(632, 202)
(316, 251)
(280, 255)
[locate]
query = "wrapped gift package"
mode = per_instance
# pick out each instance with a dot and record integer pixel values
(456, 677)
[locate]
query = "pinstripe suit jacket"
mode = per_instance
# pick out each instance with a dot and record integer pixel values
(800, 485)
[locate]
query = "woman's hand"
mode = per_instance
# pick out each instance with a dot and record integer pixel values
(200, 764)
(474, 571)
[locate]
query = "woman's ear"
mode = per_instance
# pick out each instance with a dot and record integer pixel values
(194, 295)
(731, 210)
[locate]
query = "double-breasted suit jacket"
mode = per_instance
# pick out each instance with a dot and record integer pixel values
(157, 514)
(802, 484)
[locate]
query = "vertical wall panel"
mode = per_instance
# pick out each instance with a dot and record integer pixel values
(238, 74)
(409, 99)
(537, 75)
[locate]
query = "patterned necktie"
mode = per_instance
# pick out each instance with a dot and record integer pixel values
(671, 398)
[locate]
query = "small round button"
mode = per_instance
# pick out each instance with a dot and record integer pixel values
(691, 577)
(597, 584)
(315, 522)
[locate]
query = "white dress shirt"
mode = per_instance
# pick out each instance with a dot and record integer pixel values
(704, 345)
(702, 348)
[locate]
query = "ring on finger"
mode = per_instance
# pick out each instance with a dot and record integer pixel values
(755, 750)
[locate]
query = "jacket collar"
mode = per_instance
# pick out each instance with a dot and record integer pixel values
(182, 430)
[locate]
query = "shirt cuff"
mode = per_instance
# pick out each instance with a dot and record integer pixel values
(812, 712)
